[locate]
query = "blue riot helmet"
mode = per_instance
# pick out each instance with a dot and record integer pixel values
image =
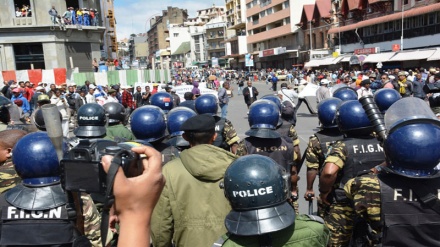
(35, 160)
(257, 189)
(163, 100)
(176, 117)
(275, 99)
(263, 119)
(344, 92)
(327, 112)
(412, 147)
(385, 97)
(206, 103)
(352, 119)
(91, 121)
(148, 123)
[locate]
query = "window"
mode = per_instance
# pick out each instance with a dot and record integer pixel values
(286, 4)
(388, 27)
(405, 2)
(176, 34)
(27, 54)
(71, 3)
(249, 5)
(432, 18)
(287, 20)
(269, 11)
(23, 8)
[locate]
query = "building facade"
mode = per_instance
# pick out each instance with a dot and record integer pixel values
(215, 45)
(236, 41)
(158, 35)
(32, 41)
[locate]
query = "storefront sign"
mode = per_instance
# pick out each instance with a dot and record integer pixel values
(367, 51)
(269, 52)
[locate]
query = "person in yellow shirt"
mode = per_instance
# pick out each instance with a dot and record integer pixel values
(79, 15)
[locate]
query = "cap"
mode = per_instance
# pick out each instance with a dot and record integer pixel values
(111, 90)
(401, 73)
(43, 98)
(39, 88)
(324, 82)
(373, 75)
(91, 86)
(115, 87)
(199, 123)
(16, 90)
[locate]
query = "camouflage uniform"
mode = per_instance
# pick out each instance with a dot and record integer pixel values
(229, 133)
(338, 216)
(314, 160)
(92, 222)
(364, 194)
(8, 176)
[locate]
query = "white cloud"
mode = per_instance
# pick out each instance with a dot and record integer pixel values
(132, 15)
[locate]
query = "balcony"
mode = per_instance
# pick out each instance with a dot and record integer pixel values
(23, 21)
(269, 34)
(167, 39)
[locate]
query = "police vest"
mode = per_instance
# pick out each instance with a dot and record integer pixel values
(325, 138)
(278, 149)
(407, 221)
(284, 130)
(21, 227)
(362, 154)
(219, 129)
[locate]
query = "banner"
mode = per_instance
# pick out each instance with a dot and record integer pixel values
(249, 60)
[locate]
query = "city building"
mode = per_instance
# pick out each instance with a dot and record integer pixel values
(384, 34)
(158, 35)
(235, 40)
(30, 40)
(180, 45)
(272, 36)
(215, 45)
(138, 48)
(198, 53)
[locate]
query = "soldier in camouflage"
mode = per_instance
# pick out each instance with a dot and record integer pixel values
(397, 203)
(358, 151)
(8, 176)
(318, 146)
(92, 222)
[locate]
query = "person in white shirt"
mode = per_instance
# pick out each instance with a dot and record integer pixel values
(111, 97)
(323, 91)
(90, 97)
(61, 103)
(288, 93)
(365, 89)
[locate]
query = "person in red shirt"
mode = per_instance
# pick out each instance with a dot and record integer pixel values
(29, 87)
(127, 99)
(155, 88)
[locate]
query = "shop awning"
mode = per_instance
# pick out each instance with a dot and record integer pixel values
(312, 63)
(338, 59)
(435, 56)
(387, 18)
(412, 55)
(379, 57)
(345, 59)
(323, 62)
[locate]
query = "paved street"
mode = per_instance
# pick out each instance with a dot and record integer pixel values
(306, 126)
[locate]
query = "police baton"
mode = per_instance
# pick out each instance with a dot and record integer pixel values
(310, 203)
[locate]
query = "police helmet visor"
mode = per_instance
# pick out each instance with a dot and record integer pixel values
(408, 110)
(260, 221)
(263, 133)
(89, 131)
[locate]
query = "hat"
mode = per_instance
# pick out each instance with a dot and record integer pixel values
(324, 82)
(391, 77)
(115, 87)
(16, 90)
(111, 90)
(43, 98)
(39, 88)
(155, 85)
(354, 78)
(373, 75)
(401, 73)
(91, 86)
(365, 82)
(199, 123)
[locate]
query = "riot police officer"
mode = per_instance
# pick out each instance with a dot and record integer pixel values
(319, 144)
(286, 124)
(148, 125)
(163, 100)
(263, 139)
(91, 119)
(226, 135)
(37, 210)
(116, 131)
(176, 117)
(399, 200)
(385, 97)
(257, 190)
(358, 151)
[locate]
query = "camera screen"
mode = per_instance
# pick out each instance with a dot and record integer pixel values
(79, 175)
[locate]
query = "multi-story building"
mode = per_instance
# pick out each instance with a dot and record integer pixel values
(180, 39)
(138, 47)
(215, 45)
(235, 40)
(198, 47)
(158, 34)
(272, 33)
(30, 39)
(384, 34)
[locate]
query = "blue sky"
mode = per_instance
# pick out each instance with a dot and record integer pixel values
(132, 15)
